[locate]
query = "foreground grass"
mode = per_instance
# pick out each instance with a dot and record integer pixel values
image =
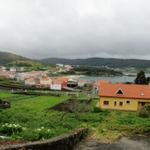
(118, 124)
(37, 121)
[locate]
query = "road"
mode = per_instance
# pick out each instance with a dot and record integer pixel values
(139, 142)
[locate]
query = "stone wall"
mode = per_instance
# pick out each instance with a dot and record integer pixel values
(63, 142)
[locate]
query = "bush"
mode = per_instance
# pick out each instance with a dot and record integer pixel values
(97, 110)
(37, 134)
(10, 129)
(148, 108)
(145, 112)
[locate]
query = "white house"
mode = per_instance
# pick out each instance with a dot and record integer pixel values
(45, 81)
(56, 86)
(40, 82)
(2, 68)
(81, 83)
(60, 65)
(13, 69)
(59, 83)
(31, 81)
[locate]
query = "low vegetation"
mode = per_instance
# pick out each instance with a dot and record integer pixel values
(9, 60)
(10, 82)
(30, 118)
(145, 112)
(91, 71)
(141, 78)
(96, 71)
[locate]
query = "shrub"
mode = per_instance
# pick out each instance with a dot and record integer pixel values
(37, 134)
(148, 108)
(44, 133)
(10, 129)
(97, 110)
(145, 112)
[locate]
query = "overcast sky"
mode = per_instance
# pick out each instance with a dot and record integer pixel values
(76, 28)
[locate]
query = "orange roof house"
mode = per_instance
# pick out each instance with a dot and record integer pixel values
(38, 82)
(58, 83)
(123, 96)
(45, 81)
(31, 81)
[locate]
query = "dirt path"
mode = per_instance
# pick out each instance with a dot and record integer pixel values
(134, 143)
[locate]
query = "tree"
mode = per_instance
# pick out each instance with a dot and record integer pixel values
(148, 80)
(141, 78)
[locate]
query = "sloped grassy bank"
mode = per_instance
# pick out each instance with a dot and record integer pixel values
(64, 142)
(30, 119)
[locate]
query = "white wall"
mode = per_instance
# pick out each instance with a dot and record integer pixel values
(55, 87)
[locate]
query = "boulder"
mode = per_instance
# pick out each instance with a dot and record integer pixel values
(4, 104)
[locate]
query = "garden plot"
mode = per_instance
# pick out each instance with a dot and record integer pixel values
(72, 105)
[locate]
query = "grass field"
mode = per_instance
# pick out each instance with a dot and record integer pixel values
(29, 118)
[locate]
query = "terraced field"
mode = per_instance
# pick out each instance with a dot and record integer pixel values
(30, 118)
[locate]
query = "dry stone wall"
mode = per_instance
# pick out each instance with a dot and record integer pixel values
(63, 142)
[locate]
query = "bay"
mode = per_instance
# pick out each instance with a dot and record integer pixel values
(113, 79)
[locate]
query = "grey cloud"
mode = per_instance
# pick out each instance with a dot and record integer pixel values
(75, 29)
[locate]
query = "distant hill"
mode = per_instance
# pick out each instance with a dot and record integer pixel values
(6, 58)
(9, 59)
(110, 62)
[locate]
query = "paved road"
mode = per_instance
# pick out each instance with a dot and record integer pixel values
(134, 143)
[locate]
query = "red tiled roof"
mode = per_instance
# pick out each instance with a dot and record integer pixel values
(107, 89)
(45, 78)
(59, 80)
(55, 81)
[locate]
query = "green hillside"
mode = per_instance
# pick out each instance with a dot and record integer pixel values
(6, 58)
(110, 62)
(9, 59)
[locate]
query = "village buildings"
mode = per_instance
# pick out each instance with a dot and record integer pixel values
(63, 68)
(2, 68)
(7, 74)
(30, 81)
(59, 83)
(53, 83)
(25, 75)
(44, 82)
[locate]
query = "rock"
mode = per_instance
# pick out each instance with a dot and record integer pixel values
(4, 104)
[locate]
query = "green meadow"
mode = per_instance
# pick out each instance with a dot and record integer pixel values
(30, 118)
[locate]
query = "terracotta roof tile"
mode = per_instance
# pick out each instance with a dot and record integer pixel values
(129, 90)
(59, 80)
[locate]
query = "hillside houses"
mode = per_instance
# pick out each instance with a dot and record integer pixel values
(21, 76)
(44, 82)
(63, 68)
(7, 74)
(56, 83)
(2, 68)
(25, 75)
(59, 83)
(31, 81)
(41, 79)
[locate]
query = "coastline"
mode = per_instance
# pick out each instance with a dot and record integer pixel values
(113, 79)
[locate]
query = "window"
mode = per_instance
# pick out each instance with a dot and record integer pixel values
(115, 103)
(120, 91)
(106, 103)
(128, 102)
(120, 103)
(143, 103)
